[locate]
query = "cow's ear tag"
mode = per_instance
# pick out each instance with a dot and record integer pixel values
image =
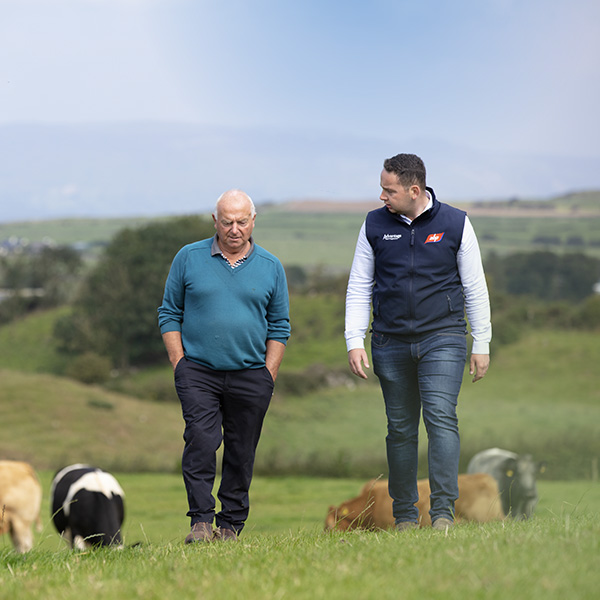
(543, 469)
(510, 473)
(344, 511)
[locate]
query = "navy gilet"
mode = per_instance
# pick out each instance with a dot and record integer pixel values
(417, 287)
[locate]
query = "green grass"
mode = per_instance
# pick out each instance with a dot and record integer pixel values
(306, 239)
(541, 395)
(52, 421)
(28, 344)
(71, 231)
(506, 235)
(283, 552)
(317, 332)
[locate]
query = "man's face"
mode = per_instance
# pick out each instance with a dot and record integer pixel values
(234, 223)
(396, 197)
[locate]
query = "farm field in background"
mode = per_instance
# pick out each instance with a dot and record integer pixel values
(324, 234)
(541, 395)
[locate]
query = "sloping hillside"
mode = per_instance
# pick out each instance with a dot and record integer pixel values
(52, 421)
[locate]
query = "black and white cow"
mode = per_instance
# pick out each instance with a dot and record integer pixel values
(87, 507)
(516, 477)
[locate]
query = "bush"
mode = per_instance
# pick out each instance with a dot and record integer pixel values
(588, 316)
(311, 379)
(114, 313)
(157, 387)
(89, 368)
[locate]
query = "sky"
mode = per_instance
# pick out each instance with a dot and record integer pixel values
(496, 76)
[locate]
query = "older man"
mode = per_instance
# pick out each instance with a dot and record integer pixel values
(225, 323)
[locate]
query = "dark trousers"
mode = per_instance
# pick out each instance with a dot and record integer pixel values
(221, 407)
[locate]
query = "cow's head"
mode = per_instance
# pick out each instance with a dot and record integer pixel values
(521, 474)
(340, 518)
(352, 514)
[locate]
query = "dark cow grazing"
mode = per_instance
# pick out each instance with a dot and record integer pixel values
(372, 509)
(516, 478)
(20, 502)
(87, 507)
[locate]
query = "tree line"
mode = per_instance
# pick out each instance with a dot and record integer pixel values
(113, 304)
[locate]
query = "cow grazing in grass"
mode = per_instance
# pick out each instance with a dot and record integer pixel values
(372, 508)
(87, 507)
(516, 477)
(20, 502)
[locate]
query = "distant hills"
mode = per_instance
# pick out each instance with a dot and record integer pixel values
(576, 205)
(148, 169)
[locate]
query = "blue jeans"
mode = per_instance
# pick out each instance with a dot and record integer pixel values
(421, 375)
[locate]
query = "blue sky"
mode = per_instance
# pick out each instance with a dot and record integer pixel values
(508, 76)
(502, 74)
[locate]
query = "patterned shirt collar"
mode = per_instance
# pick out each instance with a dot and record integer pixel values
(216, 251)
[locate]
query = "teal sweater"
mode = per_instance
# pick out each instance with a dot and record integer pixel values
(225, 315)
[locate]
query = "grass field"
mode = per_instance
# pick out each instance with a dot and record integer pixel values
(283, 552)
(71, 231)
(326, 238)
(541, 395)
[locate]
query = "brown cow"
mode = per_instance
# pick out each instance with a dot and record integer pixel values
(20, 502)
(478, 500)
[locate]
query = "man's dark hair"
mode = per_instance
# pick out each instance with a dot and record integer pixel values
(409, 169)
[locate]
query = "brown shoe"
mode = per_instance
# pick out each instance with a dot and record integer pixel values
(226, 535)
(201, 532)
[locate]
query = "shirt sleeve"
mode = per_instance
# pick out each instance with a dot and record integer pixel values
(477, 302)
(170, 312)
(359, 293)
(278, 312)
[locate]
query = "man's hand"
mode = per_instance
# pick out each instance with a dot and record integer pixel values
(479, 366)
(357, 358)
